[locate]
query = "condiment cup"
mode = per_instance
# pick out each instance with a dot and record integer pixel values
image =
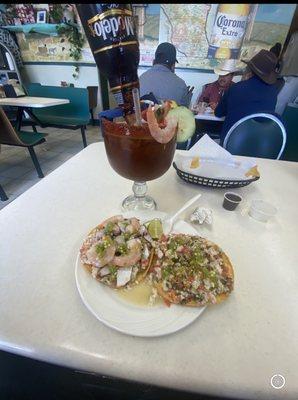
(231, 200)
(261, 210)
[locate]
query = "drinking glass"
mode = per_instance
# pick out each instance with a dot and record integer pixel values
(137, 156)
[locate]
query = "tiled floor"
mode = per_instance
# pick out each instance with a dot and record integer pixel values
(17, 172)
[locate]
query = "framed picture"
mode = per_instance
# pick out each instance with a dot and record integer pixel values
(41, 17)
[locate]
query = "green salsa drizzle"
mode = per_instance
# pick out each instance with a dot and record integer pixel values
(101, 247)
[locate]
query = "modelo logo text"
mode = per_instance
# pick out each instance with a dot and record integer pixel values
(230, 27)
(112, 26)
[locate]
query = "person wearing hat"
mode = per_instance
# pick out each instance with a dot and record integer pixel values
(257, 93)
(161, 80)
(213, 92)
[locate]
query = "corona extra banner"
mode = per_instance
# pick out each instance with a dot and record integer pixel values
(228, 31)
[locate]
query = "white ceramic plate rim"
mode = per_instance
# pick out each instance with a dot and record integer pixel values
(169, 320)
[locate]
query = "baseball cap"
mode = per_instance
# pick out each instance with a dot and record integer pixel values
(166, 53)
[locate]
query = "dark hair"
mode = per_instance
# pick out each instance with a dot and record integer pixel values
(276, 49)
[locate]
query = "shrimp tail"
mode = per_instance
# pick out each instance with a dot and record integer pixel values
(161, 135)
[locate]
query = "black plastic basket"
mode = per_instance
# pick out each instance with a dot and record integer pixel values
(212, 182)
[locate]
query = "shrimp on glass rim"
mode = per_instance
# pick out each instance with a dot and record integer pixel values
(161, 135)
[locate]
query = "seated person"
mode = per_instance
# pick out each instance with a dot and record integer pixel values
(257, 93)
(213, 92)
(161, 79)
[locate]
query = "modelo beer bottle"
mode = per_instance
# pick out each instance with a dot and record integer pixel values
(111, 34)
(228, 31)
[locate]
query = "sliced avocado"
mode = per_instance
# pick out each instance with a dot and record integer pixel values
(186, 122)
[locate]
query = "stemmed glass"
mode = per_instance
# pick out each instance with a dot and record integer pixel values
(137, 156)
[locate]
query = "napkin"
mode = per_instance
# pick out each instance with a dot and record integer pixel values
(208, 148)
(209, 159)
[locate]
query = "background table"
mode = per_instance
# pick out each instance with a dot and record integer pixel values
(207, 124)
(208, 117)
(32, 102)
(233, 349)
(25, 103)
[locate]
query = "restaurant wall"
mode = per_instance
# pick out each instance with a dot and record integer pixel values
(188, 26)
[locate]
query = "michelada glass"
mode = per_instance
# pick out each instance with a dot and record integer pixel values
(134, 154)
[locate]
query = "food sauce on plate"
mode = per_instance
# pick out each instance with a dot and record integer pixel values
(139, 295)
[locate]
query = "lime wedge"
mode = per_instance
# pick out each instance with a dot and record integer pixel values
(155, 228)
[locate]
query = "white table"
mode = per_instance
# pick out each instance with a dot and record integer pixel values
(208, 117)
(232, 349)
(25, 103)
(32, 102)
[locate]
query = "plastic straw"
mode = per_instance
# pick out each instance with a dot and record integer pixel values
(137, 106)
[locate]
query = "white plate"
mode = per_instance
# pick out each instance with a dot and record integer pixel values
(105, 304)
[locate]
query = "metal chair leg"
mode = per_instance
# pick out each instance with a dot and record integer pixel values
(35, 161)
(92, 116)
(3, 195)
(19, 118)
(84, 136)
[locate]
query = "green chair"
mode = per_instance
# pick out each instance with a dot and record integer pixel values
(92, 90)
(3, 195)
(74, 115)
(290, 119)
(11, 137)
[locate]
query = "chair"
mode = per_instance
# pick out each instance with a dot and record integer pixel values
(92, 92)
(15, 114)
(290, 118)
(188, 99)
(257, 135)
(184, 145)
(74, 115)
(3, 195)
(11, 137)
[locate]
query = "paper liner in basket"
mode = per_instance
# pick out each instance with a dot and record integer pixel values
(207, 158)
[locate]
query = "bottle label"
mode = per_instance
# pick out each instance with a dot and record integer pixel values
(222, 53)
(123, 96)
(228, 30)
(115, 27)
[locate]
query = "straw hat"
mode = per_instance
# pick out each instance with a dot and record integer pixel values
(263, 64)
(226, 67)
